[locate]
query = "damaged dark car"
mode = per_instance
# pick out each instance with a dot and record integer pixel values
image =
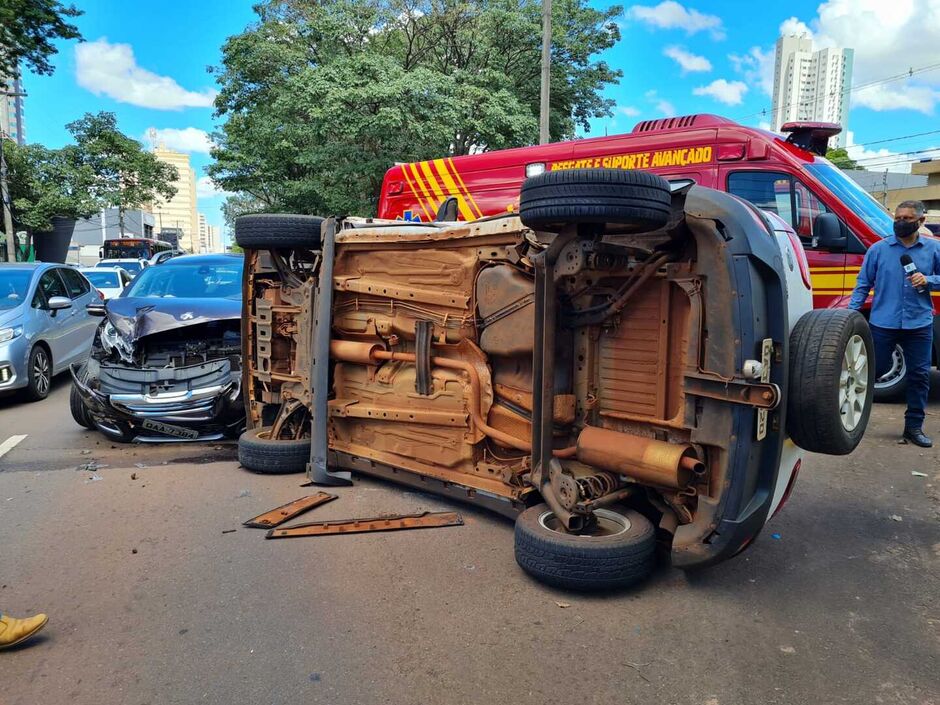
(165, 364)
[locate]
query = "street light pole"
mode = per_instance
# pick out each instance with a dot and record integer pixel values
(546, 70)
(5, 191)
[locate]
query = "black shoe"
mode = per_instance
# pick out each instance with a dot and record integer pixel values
(918, 437)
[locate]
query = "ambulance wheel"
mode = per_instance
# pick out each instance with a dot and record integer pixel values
(892, 385)
(278, 231)
(634, 200)
(832, 379)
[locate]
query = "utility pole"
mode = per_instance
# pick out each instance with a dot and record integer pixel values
(546, 70)
(5, 191)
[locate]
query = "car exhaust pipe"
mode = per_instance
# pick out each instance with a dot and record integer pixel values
(643, 459)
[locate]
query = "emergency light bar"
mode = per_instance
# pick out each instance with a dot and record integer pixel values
(811, 136)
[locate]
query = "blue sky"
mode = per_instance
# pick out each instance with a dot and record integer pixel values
(147, 63)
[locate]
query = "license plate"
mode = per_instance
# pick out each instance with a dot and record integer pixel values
(170, 430)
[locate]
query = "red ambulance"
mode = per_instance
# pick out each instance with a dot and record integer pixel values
(834, 217)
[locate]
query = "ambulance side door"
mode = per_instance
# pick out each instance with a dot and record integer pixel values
(789, 198)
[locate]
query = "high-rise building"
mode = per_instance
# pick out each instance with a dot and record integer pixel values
(811, 85)
(179, 213)
(12, 118)
(210, 236)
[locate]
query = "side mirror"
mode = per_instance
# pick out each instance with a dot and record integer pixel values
(95, 308)
(57, 303)
(827, 232)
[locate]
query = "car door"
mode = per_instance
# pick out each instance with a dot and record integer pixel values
(789, 198)
(82, 326)
(54, 327)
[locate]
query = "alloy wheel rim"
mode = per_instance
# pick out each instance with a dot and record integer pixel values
(608, 524)
(853, 383)
(41, 372)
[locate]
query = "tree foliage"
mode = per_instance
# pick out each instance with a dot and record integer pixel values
(125, 175)
(839, 156)
(27, 30)
(104, 168)
(319, 99)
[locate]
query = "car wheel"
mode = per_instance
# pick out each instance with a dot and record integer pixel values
(114, 430)
(78, 409)
(619, 552)
(892, 385)
(636, 200)
(259, 453)
(276, 231)
(832, 374)
(38, 374)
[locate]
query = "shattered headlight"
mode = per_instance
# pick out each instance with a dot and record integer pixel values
(112, 341)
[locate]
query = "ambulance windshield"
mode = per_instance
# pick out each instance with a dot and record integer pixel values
(857, 199)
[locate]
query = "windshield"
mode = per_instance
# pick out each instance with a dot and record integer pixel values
(13, 287)
(131, 268)
(857, 199)
(103, 280)
(190, 281)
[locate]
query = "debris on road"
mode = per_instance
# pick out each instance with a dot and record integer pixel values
(286, 512)
(133, 475)
(895, 517)
(775, 536)
(86, 452)
(93, 478)
(243, 493)
(424, 520)
(90, 466)
(563, 605)
(134, 550)
(788, 649)
(915, 473)
(229, 531)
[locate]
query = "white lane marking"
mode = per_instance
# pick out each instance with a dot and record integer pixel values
(10, 443)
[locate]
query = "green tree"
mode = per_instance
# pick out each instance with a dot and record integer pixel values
(839, 156)
(27, 30)
(125, 176)
(319, 99)
(45, 183)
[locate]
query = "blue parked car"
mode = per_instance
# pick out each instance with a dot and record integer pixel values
(44, 326)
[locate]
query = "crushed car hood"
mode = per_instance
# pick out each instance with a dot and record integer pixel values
(135, 318)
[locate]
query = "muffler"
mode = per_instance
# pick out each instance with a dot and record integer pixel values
(644, 459)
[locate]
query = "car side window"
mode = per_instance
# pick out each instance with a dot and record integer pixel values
(808, 207)
(50, 284)
(768, 190)
(74, 282)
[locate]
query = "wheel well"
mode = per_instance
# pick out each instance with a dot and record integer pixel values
(45, 346)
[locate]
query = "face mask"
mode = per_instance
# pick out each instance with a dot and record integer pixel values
(905, 228)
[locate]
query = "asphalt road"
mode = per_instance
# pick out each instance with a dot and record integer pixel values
(838, 601)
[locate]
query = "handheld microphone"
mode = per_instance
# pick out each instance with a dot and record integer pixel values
(911, 268)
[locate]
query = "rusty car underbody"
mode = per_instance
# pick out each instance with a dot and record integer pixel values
(506, 366)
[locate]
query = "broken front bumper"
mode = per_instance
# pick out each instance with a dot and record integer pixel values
(205, 398)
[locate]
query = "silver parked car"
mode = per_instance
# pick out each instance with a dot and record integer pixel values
(44, 326)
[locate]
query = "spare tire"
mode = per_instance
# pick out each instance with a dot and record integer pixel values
(259, 453)
(832, 378)
(278, 231)
(618, 554)
(635, 200)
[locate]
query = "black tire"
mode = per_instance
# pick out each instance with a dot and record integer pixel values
(277, 231)
(817, 418)
(575, 562)
(258, 453)
(78, 409)
(38, 374)
(635, 200)
(892, 386)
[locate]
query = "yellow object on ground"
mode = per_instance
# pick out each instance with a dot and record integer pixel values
(14, 631)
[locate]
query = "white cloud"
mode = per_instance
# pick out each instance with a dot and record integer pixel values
(795, 27)
(205, 188)
(671, 15)
(687, 61)
(757, 67)
(661, 104)
(111, 69)
(628, 110)
(889, 39)
(188, 139)
(727, 92)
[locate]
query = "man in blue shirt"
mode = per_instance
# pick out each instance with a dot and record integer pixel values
(900, 314)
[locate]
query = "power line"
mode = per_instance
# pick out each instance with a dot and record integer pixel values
(897, 139)
(907, 74)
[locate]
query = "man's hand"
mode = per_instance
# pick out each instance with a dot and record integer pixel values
(918, 279)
